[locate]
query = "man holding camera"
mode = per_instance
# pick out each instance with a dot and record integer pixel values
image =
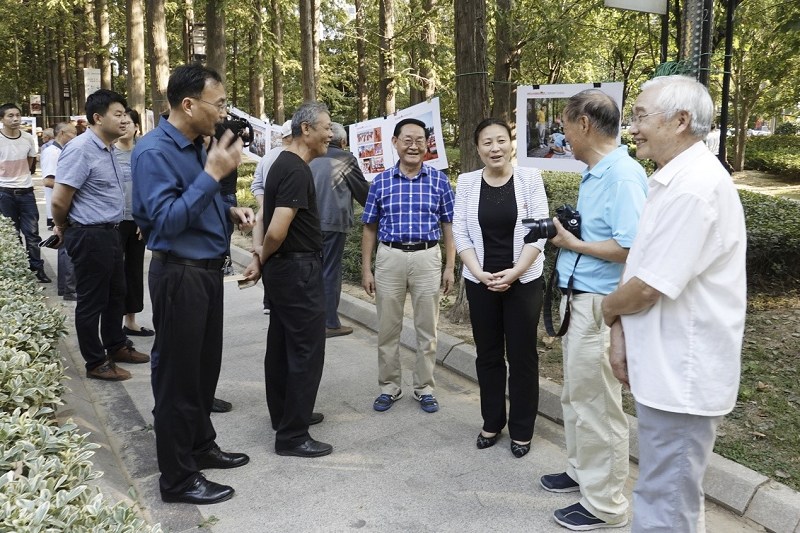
(178, 206)
(610, 199)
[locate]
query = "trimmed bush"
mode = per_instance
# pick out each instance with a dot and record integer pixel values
(46, 468)
(779, 154)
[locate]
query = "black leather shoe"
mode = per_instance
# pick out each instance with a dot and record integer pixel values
(42, 277)
(316, 418)
(221, 406)
(310, 448)
(486, 442)
(216, 458)
(202, 492)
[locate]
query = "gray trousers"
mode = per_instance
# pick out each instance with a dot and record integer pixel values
(674, 451)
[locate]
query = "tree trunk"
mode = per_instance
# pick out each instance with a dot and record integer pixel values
(363, 100)
(256, 66)
(215, 37)
(308, 44)
(386, 58)
(277, 69)
(472, 98)
(188, 24)
(159, 57)
(103, 42)
(428, 59)
(506, 58)
(135, 43)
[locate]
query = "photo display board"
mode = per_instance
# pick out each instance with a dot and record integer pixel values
(371, 141)
(540, 131)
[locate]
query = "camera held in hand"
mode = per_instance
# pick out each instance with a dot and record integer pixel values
(239, 126)
(545, 228)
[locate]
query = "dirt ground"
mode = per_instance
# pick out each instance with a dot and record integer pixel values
(761, 182)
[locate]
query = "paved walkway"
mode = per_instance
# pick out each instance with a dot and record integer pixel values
(403, 470)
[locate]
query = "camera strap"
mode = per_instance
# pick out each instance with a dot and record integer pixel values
(548, 299)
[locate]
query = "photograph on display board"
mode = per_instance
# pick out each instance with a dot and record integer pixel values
(367, 144)
(541, 142)
(28, 124)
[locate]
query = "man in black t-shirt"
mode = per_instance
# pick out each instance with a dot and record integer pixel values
(291, 256)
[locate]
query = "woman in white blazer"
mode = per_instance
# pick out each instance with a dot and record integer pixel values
(504, 286)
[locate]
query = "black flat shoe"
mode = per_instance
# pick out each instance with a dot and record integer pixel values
(202, 492)
(141, 332)
(520, 450)
(486, 442)
(221, 406)
(310, 448)
(216, 458)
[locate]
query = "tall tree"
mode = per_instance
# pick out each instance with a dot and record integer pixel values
(506, 59)
(309, 47)
(103, 42)
(387, 87)
(215, 36)
(188, 26)
(362, 106)
(256, 65)
(159, 57)
(278, 111)
(134, 14)
(472, 94)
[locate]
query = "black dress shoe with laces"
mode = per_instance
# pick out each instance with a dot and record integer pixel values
(216, 458)
(202, 492)
(310, 448)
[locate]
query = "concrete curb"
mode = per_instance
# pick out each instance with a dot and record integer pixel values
(770, 504)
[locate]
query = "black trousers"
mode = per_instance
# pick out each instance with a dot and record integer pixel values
(133, 255)
(295, 345)
(186, 358)
(100, 282)
(504, 328)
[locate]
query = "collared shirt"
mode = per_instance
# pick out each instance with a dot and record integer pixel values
(335, 175)
(49, 158)
(15, 171)
(176, 203)
(409, 209)
(684, 352)
(124, 159)
(610, 200)
(262, 169)
(90, 167)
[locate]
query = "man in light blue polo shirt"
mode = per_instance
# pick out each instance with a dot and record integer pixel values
(87, 206)
(610, 200)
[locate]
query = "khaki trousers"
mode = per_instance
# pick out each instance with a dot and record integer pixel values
(397, 273)
(595, 426)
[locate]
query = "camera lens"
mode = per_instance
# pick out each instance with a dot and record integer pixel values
(542, 229)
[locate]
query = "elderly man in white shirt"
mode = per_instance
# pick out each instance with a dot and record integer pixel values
(677, 319)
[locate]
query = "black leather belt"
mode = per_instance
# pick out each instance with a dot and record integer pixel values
(16, 191)
(574, 291)
(411, 246)
(208, 264)
(106, 225)
(297, 255)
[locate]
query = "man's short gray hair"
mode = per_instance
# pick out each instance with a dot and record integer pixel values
(684, 93)
(598, 107)
(61, 126)
(308, 112)
(339, 134)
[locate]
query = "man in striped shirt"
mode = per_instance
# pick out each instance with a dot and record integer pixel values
(409, 207)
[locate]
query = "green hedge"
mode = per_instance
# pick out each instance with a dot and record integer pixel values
(45, 469)
(778, 154)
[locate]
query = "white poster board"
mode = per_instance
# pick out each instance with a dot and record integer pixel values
(540, 136)
(371, 141)
(28, 124)
(91, 80)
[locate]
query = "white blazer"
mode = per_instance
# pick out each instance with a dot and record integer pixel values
(531, 203)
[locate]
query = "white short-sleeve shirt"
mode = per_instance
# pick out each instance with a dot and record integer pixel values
(684, 353)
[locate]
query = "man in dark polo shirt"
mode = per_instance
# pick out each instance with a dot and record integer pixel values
(87, 206)
(292, 258)
(178, 206)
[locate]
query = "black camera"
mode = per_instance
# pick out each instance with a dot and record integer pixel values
(239, 126)
(545, 228)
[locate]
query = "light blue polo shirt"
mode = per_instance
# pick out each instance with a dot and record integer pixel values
(610, 200)
(91, 168)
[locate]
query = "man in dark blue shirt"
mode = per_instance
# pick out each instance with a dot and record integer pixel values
(178, 206)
